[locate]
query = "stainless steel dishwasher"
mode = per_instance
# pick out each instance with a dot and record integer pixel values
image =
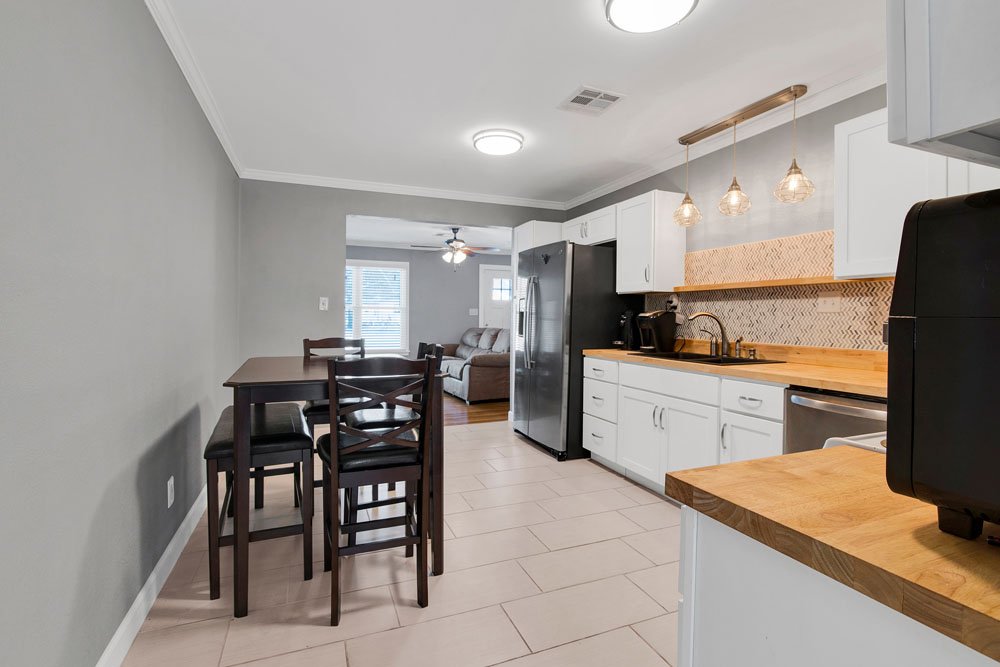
(812, 416)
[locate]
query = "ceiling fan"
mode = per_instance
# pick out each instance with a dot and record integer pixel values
(456, 250)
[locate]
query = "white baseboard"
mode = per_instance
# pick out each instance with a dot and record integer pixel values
(121, 641)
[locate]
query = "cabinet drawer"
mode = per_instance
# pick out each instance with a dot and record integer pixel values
(600, 369)
(600, 399)
(750, 398)
(600, 437)
(680, 384)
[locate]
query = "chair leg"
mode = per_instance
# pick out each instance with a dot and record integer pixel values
(334, 524)
(307, 512)
(375, 491)
(296, 485)
(231, 506)
(258, 489)
(422, 514)
(327, 511)
(212, 474)
(410, 505)
(352, 496)
(392, 486)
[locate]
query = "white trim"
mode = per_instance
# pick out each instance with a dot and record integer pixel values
(483, 268)
(178, 44)
(116, 650)
(813, 101)
(396, 189)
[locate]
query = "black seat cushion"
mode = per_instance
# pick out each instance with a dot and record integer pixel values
(379, 418)
(274, 427)
(382, 455)
(322, 407)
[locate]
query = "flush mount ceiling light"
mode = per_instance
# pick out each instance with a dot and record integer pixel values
(795, 186)
(647, 15)
(498, 142)
(735, 201)
(687, 214)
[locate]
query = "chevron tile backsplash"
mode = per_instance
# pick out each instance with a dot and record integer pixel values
(782, 315)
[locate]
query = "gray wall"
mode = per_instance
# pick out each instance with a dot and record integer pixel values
(118, 292)
(292, 251)
(761, 161)
(440, 297)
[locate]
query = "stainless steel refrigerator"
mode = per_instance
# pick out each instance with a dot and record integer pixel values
(566, 302)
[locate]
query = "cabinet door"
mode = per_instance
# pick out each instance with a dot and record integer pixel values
(573, 232)
(744, 438)
(692, 435)
(600, 226)
(635, 245)
(640, 438)
(876, 184)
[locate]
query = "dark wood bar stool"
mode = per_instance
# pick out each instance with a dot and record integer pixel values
(353, 458)
(279, 436)
(318, 412)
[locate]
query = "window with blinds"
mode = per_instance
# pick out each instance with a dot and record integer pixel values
(376, 304)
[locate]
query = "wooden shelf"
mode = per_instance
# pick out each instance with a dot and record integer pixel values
(781, 282)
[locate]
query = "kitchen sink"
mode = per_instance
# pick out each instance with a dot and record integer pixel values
(698, 358)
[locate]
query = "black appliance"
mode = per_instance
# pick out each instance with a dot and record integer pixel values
(657, 330)
(628, 338)
(943, 441)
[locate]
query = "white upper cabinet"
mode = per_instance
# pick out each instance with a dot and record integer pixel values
(650, 245)
(943, 80)
(876, 183)
(593, 228)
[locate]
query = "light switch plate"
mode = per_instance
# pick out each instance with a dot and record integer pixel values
(828, 302)
(324, 303)
(473, 312)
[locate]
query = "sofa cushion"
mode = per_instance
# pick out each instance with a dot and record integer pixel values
(486, 340)
(471, 337)
(453, 367)
(502, 343)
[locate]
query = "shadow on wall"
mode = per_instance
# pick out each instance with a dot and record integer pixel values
(140, 487)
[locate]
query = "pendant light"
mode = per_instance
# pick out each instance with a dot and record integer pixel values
(735, 201)
(687, 214)
(795, 186)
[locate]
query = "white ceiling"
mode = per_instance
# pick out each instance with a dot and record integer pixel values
(368, 230)
(385, 95)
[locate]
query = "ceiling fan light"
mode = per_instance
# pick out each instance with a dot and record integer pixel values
(498, 142)
(735, 201)
(647, 15)
(448, 256)
(687, 214)
(794, 187)
(460, 257)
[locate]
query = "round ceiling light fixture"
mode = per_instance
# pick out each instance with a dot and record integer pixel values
(647, 15)
(498, 142)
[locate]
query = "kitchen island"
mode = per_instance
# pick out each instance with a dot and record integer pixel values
(810, 559)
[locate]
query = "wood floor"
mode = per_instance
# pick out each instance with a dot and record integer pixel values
(456, 412)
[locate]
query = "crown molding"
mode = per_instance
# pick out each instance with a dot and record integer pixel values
(813, 101)
(395, 189)
(178, 45)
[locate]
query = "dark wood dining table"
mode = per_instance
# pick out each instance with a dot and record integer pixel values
(275, 379)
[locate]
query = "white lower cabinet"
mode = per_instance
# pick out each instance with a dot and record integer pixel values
(743, 438)
(692, 435)
(640, 436)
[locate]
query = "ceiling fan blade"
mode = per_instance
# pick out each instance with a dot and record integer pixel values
(489, 250)
(428, 247)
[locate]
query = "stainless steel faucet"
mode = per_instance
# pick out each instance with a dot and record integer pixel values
(723, 340)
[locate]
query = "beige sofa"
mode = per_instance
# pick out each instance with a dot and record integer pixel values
(478, 367)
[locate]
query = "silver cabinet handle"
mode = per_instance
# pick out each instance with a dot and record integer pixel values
(722, 437)
(597, 371)
(645, 273)
(751, 399)
(586, 230)
(598, 399)
(654, 416)
(838, 408)
(599, 437)
(662, 410)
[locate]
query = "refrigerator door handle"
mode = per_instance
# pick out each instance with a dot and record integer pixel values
(520, 318)
(529, 328)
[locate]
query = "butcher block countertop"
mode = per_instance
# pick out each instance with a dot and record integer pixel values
(831, 510)
(870, 381)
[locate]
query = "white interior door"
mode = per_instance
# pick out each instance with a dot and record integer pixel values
(496, 289)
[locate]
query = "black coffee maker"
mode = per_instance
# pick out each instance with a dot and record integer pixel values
(944, 322)
(657, 331)
(628, 331)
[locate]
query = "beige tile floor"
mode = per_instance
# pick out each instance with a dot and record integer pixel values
(548, 564)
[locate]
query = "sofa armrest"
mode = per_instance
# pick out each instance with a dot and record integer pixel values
(490, 359)
(450, 349)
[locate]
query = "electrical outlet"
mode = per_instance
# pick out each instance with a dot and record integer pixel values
(170, 492)
(473, 312)
(828, 302)
(324, 303)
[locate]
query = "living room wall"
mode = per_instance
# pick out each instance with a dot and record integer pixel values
(440, 298)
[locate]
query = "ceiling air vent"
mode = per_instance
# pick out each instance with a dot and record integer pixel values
(590, 100)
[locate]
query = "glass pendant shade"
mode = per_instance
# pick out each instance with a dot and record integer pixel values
(460, 257)
(687, 214)
(735, 201)
(795, 186)
(448, 256)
